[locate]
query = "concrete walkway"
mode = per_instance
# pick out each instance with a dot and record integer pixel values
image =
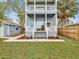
(12, 38)
(35, 40)
(15, 39)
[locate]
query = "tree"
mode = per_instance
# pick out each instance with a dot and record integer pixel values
(3, 7)
(18, 6)
(66, 9)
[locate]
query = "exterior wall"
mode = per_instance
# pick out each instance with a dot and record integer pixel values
(6, 33)
(1, 30)
(52, 30)
(9, 30)
(18, 29)
(13, 30)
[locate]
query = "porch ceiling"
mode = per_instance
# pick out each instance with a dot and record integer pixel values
(40, 0)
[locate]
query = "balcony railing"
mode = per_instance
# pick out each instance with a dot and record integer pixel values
(51, 7)
(41, 7)
(30, 7)
(38, 7)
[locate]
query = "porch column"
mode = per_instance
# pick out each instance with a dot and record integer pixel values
(34, 18)
(26, 27)
(2, 30)
(8, 30)
(26, 4)
(46, 18)
(56, 16)
(34, 5)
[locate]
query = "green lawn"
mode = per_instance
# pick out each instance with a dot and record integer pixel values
(52, 50)
(2, 39)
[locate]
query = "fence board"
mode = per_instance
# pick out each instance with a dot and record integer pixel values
(72, 32)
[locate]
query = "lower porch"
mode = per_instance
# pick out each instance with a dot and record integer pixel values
(41, 26)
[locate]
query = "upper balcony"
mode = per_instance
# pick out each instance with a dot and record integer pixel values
(41, 8)
(41, 1)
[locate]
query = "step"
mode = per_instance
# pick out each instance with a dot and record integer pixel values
(40, 35)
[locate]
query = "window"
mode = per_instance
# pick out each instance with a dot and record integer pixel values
(17, 28)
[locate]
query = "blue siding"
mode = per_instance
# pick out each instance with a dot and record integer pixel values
(52, 33)
(5, 30)
(14, 30)
(1, 30)
(10, 30)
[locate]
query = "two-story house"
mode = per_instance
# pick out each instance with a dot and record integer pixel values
(41, 19)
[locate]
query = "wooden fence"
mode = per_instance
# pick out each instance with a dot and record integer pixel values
(70, 31)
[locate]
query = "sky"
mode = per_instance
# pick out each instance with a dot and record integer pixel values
(76, 20)
(13, 15)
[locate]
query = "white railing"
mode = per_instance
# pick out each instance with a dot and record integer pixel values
(30, 7)
(49, 7)
(41, 7)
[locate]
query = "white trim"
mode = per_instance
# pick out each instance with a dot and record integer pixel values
(46, 18)
(8, 30)
(2, 27)
(34, 18)
(34, 5)
(34, 25)
(2, 30)
(56, 17)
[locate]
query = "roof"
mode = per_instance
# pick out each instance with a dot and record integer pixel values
(9, 22)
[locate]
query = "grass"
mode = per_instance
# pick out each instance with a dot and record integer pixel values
(2, 39)
(50, 50)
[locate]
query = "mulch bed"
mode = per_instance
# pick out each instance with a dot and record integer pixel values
(53, 37)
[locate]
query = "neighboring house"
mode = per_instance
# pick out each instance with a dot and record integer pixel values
(41, 19)
(9, 28)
